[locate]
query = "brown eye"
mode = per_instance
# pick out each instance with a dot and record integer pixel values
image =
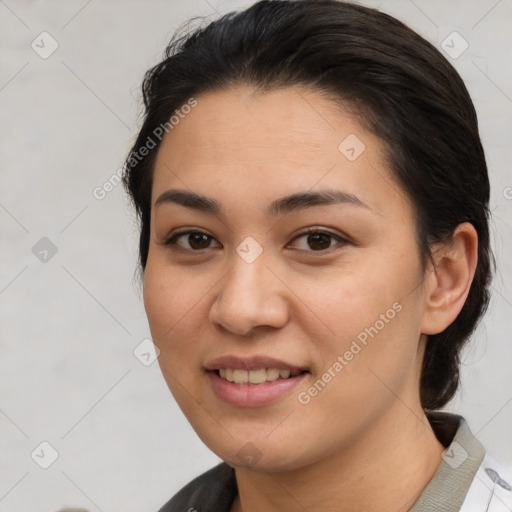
(319, 241)
(198, 240)
(193, 240)
(316, 240)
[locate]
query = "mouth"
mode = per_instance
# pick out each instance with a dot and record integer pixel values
(256, 377)
(253, 382)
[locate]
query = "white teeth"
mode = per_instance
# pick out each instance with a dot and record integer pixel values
(272, 374)
(259, 376)
(240, 376)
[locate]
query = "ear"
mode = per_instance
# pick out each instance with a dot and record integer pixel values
(449, 278)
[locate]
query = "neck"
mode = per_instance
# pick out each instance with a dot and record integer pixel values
(385, 469)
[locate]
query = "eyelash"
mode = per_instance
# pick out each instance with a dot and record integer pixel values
(171, 240)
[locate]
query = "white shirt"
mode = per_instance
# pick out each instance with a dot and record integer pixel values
(490, 490)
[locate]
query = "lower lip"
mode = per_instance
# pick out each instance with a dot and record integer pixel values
(253, 395)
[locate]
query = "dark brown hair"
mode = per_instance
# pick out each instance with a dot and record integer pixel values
(406, 93)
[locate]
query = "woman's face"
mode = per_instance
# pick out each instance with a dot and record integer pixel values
(251, 289)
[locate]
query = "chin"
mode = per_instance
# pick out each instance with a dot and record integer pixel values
(259, 455)
(262, 465)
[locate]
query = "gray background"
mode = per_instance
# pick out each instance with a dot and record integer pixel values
(70, 324)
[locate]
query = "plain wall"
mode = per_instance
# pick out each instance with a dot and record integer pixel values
(70, 324)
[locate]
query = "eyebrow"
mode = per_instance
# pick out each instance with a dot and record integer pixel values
(294, 202)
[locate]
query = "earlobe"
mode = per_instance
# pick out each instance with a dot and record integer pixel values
(449, 278)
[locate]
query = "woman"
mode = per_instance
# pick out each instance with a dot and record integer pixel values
(313, 198)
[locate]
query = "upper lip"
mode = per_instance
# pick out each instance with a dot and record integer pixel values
(251, 363)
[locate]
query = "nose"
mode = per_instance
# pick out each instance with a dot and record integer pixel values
(249, 296)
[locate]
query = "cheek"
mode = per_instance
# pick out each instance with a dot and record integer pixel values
(172, 306)
(373, 314)
(352, 298)
(171, 302)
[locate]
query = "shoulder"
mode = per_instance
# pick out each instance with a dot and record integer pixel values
(213, 490)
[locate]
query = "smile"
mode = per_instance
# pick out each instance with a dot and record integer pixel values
(250, 394)
(255, 377)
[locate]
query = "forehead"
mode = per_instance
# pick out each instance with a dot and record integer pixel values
(235, 123)
(263, 144)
